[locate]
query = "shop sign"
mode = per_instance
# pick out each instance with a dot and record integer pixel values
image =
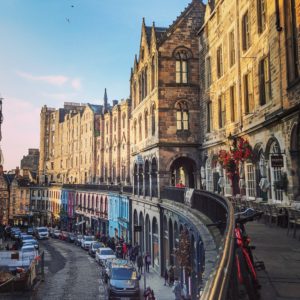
(277, 161)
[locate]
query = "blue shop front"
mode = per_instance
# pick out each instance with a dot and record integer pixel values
(118, 216)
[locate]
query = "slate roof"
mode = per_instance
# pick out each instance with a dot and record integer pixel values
(95, 108)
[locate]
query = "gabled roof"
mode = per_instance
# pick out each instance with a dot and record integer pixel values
(171, 28)
(95, 108)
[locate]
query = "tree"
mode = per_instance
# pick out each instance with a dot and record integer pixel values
(183, 252)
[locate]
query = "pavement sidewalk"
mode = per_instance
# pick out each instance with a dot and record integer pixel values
(156, 282)
(281, 255)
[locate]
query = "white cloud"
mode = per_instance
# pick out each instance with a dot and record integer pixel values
(57, 80)
(76, 84)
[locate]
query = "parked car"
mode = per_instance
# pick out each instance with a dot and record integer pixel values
(15, 231)
(42, 233)
(94, 247)
(63, 235)
(29, 252)
(102, 254)
(71, 237)
(32, 242)
(86, 241)
(56, 233)
(78, 239)
(122, 280)
(30, 230)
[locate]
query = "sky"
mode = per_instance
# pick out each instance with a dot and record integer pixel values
(56, 51)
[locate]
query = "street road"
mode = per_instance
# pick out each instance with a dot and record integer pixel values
(70, 273)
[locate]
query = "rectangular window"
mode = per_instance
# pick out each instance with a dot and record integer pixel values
(185, 120)
(209, 116)
(207, 73)
(178, 71)
(264, 81)
(261, 15)
(184, 71)
(222, 111)
(245, 31)
(233, 107)
(179, 121)
(181, 71)
(291, 41)
(250, 181)
(219, 62)
(231, 49)
(248, 93)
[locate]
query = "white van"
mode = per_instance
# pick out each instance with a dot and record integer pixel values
(42, 233)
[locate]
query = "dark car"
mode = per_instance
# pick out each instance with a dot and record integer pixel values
(71, 237)
(78, 239)
(122, 280)
(94, 246)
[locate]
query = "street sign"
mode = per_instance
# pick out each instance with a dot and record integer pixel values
(137, 228)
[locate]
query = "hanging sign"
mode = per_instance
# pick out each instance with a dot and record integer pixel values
(277, 161)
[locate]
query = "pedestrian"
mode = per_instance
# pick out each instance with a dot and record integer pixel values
(166, 277)
(147, 261)
(124, 247)
(149, 294)
(177, 289)
(171, 275)
(140, 263)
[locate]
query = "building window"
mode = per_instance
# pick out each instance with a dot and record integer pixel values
(248, 93)
(145, 82)
(153, 73)
(261, 15)
(134, 131)
(291, 41)
(115, 124)
(146, 124)
(233, 108)
(222, 111)
(182, 116)
(219, 62)
(124, 120)
(209, 116)
(245, 31)
(140, 128)
(209, 177)
(264, 81)
(231, 49)
(250, 181)
(153, 120)
(181, 67)
(207, 72)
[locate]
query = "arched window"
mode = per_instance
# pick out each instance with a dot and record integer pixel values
(134, 131)
(209, 177)
(153, 119)
(146, 124)
(153, 73)
(146, 82)
(182, 116)
(115, 124)
(134, 95)
(140, 128)
(181, 66)
(140, 89)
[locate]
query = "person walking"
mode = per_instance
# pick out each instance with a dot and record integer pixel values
(147, 261)
(124, 247)
(177, 289)
(166, 275)
(140, 263)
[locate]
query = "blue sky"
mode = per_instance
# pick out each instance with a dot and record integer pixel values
(56, 51)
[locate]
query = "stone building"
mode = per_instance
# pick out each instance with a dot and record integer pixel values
(31, 160)
(249, 52)
(113, 144)
(165, 104)
(5, 182)
(164, 125)
(68, 143)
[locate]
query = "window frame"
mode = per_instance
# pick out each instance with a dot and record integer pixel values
(246, 34)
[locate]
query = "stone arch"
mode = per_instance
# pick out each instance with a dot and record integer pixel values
(154, 174)
(166, 248)
(147, 178)
(171, 242)
(141, 233)
(135, 222)
(155, 243)
(270, 142)
(135, 179)
(183, 169)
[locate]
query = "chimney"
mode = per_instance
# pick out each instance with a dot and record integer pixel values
(17, 172)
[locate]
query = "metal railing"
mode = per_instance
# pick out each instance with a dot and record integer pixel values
(220, 211)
